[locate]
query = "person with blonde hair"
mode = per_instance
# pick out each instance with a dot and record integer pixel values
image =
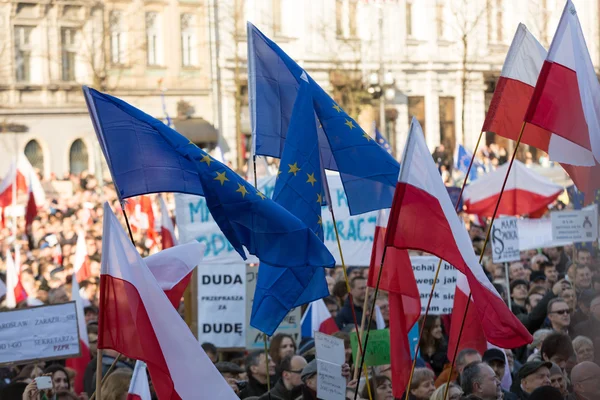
(422, 386)
(454, 393)
(116, 385)
(584, 349)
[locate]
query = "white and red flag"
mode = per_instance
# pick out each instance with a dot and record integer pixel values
(80, 363)
(137, 319)
(31, 208)
(15, 293)
(398, 279)
(526, 192)
(81, 264)
(423, 218)
(317, 318)
(167, 230)
(566, 101)
(139, 388)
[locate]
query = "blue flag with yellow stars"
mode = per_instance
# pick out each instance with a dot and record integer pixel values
(143, 152)
(299, 189)
(368, 172)
(382, 141)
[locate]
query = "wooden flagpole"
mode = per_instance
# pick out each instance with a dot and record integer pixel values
(487, 237)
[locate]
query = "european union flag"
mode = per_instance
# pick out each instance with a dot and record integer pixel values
(299, 189)
(382, 141)
(462, 159)
(146, 156)
(369, 174)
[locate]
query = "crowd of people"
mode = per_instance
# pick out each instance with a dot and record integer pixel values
(555, 293)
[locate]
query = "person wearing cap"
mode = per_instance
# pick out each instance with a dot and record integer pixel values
(496, 359)
(559, 315)
(309, 380)
(288, 387)
(546, 393)
(591, 327)
(558, 380)
(230, 372)
(532, 375)
(538, 278)
(585, 378)
(518, 292)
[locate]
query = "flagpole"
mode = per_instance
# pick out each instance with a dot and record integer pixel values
(362, 327)
(487, 237)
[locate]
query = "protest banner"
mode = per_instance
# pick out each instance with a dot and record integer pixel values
(575, 226)
(39, 333)
(378, 350)
(424, 268)
(331, 385)
(290, 324)
(222, 305)
(536, 234)
(505, 240)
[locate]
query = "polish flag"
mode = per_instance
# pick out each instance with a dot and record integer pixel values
(526, 192)
(80, 363)
(137, 320)
(317, 318)
(139, 388)
(6, 185)
(31, 209)
(81, 265)
(423, 218)
(566, 101)
(14, 290)
(141, 215)
(398, 279)
(167, 230)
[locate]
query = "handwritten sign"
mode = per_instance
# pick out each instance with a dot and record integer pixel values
(221, 305)
(575, 226)
(505, 240)
(424, 268)
(378, 350)
(331, 385)
(329, 348)
(39, 333)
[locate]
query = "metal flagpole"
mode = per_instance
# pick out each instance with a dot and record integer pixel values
(487, 237)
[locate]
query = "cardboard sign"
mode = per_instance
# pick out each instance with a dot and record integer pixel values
(505, 240)
(575, 226)
(329, 348)
(331, 385)
(290, 324)
(378, 349)
(39, 333)
(222, 305)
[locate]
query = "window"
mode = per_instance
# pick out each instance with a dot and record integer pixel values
(68, 39)
(409, 18)
(339, 21)
(78, 157)
(447, 122)
(439, 19)
(117, 38)
(23, 53)
(153, 43)
(495, 23)
(346, 18)
(35, 155)
(416, 108)
(352, 5)
(188, 40)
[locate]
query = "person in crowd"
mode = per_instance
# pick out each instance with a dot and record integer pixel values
(591, 327)
(309, 382)
(585, 378)
(517, 271)
(454, 393)
(518, 293)
(288, 387)
(538, 279)
(116, 385)
(584, 349)
(211, 351)
(60, 377)
(531, 376)
(570, 297)
(231, 372)
(557, 348)
(479, 380)
(464, 357)
(559, 258)
(330, 283)
(559, 315)
(558, 380)
(584, 257)
(533, 299)
(496, 359)
(340, 292)
(583, 277)
(537, 261)
(550, 271)
(433, 344)
(381, 388)
(358, 288)
(384, 307)
(108, 357)
(421, 386)
(257, 364)
(546, 393)
(535, 346)
(28, 373)
(582, 311)
(332, 305)
(282, 345)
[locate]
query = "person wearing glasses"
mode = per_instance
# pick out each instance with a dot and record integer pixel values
(559, 315)
(288, 387)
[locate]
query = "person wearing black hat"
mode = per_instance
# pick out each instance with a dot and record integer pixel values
(309, 381)
(546, 393)
(496, 359)
(230, 372)
(518, 292)
(538, 278)
(532, 375)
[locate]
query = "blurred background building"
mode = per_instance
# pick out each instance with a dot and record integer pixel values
(382, 60)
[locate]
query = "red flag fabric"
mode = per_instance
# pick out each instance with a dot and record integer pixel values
(566, 101)
(421, 206)
(167, 230)
(139, 388)
(526, 192)
(137, 320)
(398, 279)
(81, 265)
(80, 363)
(30, 210)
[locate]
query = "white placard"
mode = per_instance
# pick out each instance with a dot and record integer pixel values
(290, 324)
(331, 385)
(505, 240)
(39, 333)
(575, 226)
(222, 305)
(424, 268)
(329, 348)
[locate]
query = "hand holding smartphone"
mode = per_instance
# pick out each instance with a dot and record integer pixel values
(43, 382)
